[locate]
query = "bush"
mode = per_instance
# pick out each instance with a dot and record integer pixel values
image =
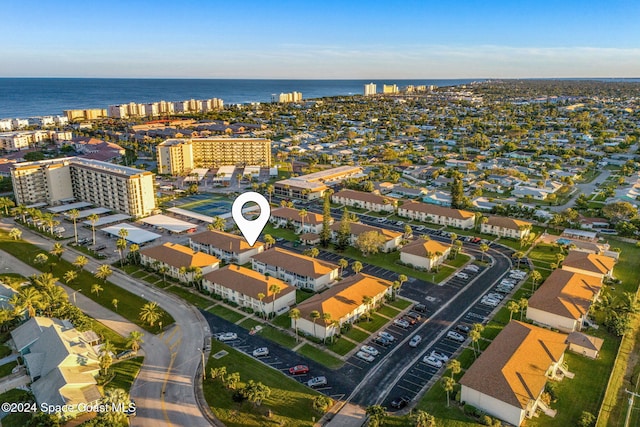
(486, 420)
(586, 419)
(551, 389)
(469, 410)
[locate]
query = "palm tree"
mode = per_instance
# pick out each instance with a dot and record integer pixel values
(103, 272)
(115, 302)
(93, 219)
(30, 299)
(483, 248)
(275, 290)
(22, 211)
(513, 307)
(57, 250)
(73, 214)
(448, 385)
(535, 278)
(424, 419)
(303, 214)
(134, 253)
(218, 223)
(474, 335)
(134, 340)
(53, 298)
(294, 314)
(314, 315)
(70, 276)
(326, 317)
(80, 261)
(356, 267)
(454, 366)
(96, 289)
(270, 190)
(15, 233)
(269, 240)
(150, 313)
(523, 303)
(342, 263)
(163, 270)
(6, 203)
(121, 245)
(41, 259)
(261, 296)
(519, 255)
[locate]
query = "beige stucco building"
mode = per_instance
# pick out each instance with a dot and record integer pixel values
(506, 227)
(174, 257)
(424, 254)
(440, 215)
(225, 246)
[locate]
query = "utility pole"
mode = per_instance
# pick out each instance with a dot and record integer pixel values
(632, 396)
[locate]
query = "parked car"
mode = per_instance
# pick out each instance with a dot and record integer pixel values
(472, 267)
(382, 341)
(489, 302)
(411, 320)
(432, 361)
(365, 356)
(420, 308)
(298, 369)
(462, 328)
(461, 275)
(227, 336)
(387, 336)
(400, 402)
(260, 352)
(415, 341)
(401, 323)
(381, 220)
(413, 315)
(440, 356)
(453, 335)
(371, 350)
(317, 382)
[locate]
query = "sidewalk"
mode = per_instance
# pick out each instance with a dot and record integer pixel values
(349, 415)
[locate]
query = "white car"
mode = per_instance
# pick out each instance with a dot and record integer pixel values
(227, 336)
(489, 302)
(461, 275)
(495, 295)
(381, 219)
(415, 341)
(440, 356)
(452, 335)
(432, 361)
(260, 352)
(472, 267)
(402, 323)
(387, 336)
(368, 349)
(365, 356)
(317, 382)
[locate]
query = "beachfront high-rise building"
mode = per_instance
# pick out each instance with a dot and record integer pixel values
(390, 89)
(370, 89)
(154, 109)
(120, 188)
(179, 155)
(290, 97)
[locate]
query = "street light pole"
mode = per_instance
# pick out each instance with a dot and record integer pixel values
(626, 420)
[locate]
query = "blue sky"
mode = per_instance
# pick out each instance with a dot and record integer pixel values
(320, 39)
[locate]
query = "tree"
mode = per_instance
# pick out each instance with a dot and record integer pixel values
(112, 398)
(218, 223)
(73, 214)
(454, 366)
(134, 253)
(150, 313)
(121, 246)
(269, 240)
(586, 419)
(314, 315)
(232, 380)
(408, 231)
(343, 238)
(163, 270)
(294, 314)
(457, 192)
(356, 267)
(15, 233)
(270, 190)
(302, 213)
(313, 252)
(103, 272)
(275, 290)
(93, 219)
(321, 403)
(114, 303)
(57, 250)
(41, 259)
(619, 211)
(218, 373)
(376, 413)
(30, 299)
(474, 335)
(523, 303)
(261, 296)
(519, 255)
(326, 317)
(96, 289)
(70, 276)
(342, 263)
(535, 278)
(423, 419)
(513, 307)
(483, 248)
(370, 242)
(325, 233)
(255, 392)
(6, 203)
(448, 385)
(80, 262)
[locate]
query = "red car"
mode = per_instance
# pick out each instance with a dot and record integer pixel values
(298, 369)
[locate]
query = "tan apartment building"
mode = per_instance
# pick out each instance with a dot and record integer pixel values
(363, 200)
(119, 188)
(441, 215)
(313, 186)
(174, 257)
(506, 227)
(82, 115)
(178, 155)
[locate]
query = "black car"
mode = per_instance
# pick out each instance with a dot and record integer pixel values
(413, 315)
(421, 308)
(400, 402)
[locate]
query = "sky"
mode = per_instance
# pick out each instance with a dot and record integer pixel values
(326, 39)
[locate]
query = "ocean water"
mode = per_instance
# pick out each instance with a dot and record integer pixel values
(28, 97)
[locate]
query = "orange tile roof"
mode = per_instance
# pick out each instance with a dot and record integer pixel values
(437, 210)
(224, 241)
(179, 256)
(365, 197)
(248, 282)
(566, 294)
(423, 248)
(589, 262)
(295, 263)
(357, 228)
(508, 223)
(344, 297)
(512, 369)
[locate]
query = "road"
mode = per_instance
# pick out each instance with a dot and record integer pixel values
(164, 390)
(586, 189)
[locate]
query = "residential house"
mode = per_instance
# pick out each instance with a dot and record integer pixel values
(344, 303)
(298, 270)
(311, 223)
(249, 288)
(61, 361)
(506, 227)
(424, 254)
(225, 246)
(508, 378)
(364, 200)
(588, 263)
(563, 300)
(437, 214)
(584, 344)
(392, 239)
(180, 261)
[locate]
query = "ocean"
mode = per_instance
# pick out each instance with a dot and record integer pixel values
(29, 97)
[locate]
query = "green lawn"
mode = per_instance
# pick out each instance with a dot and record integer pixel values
(459, 261)
(129, 304)
(544, 252)
(273, 334)
(249, 324)
(290, 402)
(284, 321)
(341, 346)
(108, 334)
(442, 274)
(388, 311)
(125, 373)
(357, 335)
(16, 419)
(374, 324)
(195, 299)
(6, 368)
(5, 350)
(226, 313)
(280, 232)
(400, 303)
(302, 295)
(320, 356)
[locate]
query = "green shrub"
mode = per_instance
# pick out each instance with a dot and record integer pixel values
(486, 420)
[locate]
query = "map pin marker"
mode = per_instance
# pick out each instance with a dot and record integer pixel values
(251, 229)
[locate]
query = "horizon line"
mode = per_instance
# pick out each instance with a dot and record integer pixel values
(325, 79)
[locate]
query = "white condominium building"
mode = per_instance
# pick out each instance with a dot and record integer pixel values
(370, 89)
(178, 155)
(120, 188)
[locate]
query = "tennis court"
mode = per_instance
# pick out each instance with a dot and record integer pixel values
(205, 204)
